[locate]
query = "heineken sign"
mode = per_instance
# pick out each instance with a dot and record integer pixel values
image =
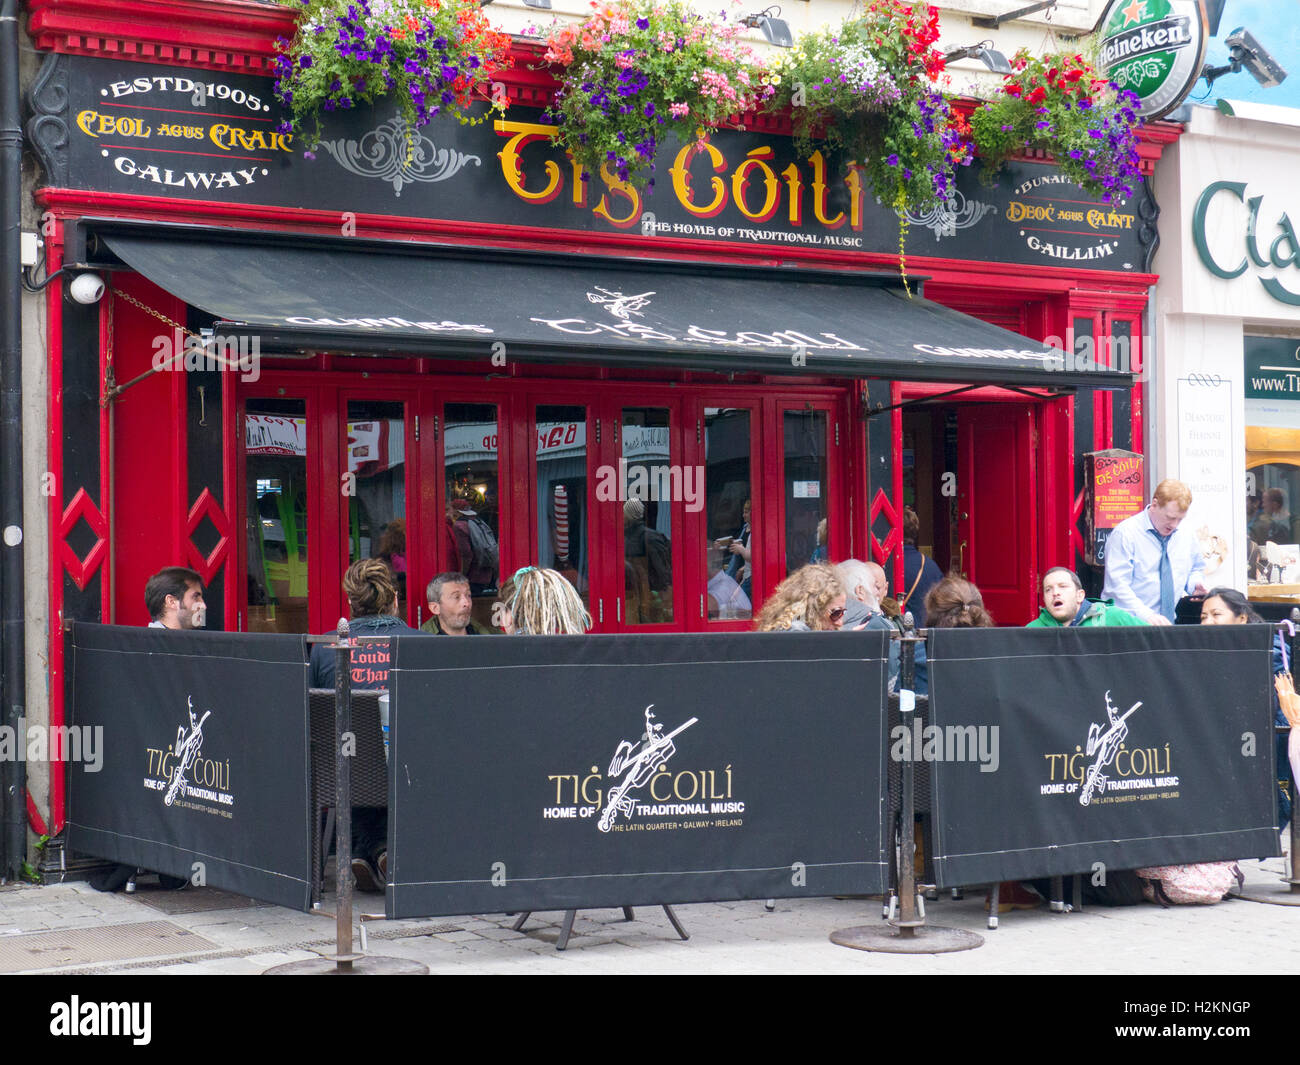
(1155, 49)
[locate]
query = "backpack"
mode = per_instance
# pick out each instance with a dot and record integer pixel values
(1190, 885)
(485, 553)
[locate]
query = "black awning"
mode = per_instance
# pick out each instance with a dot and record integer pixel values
(297, 292)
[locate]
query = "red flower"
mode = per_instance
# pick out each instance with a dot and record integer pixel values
(1012, 89)
(1038, 95)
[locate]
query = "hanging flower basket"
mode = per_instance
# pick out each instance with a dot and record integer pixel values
(1058, 102)
(432, 56)
(867, 90)
(634, 71)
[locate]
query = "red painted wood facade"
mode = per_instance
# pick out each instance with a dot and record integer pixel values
(144, 509)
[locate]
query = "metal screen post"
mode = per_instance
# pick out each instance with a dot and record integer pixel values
(343, 795)
(909, 934)
(907, 919)
(1292, 879)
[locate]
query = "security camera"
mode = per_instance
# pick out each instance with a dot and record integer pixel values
(87, 288)
(1254, 57)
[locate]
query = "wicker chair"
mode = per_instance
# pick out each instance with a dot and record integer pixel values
(369, 768)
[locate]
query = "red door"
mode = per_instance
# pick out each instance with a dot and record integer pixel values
(997, 512)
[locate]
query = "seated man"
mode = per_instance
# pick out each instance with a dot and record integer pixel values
(174, 598)
(1065, 606)
(451, 607)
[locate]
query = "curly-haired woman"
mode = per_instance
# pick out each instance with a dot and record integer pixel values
(811, 599)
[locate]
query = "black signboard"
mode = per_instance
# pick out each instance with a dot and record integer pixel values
(565, 772)
(149, 130)
(1061, 751)
(200, 757)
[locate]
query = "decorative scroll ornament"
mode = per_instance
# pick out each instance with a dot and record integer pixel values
(957, 213)
(398, 154)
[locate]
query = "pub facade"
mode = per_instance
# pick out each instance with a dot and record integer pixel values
(298, 362)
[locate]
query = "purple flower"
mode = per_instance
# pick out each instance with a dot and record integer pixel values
(304, 61)
(643, 23)
(309, 155)
(893, 159)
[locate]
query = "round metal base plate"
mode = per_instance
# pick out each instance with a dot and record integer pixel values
(365, 965)
(886, 939)
(1279, 894)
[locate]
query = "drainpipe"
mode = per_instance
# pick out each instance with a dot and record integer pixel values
(12, 644)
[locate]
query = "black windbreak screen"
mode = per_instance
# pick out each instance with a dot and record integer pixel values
(500, 305)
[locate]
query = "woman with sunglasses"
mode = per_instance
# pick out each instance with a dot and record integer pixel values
(809, 600)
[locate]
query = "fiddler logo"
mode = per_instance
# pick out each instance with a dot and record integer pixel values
(189, 352)
(184, 776)
(1103, 747)
(77, 1018)
(636, 763)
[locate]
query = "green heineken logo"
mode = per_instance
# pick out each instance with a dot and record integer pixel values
(1153, 48)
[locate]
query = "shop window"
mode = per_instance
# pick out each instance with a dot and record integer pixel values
(472, 501)
(647, 516)
(806, 514)
(562, 519)
(729, 547)
(275, 453)
(376, 460)
(1272, 374)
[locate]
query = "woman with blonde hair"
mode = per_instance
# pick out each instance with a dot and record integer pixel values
(541, 602)
(809, 600)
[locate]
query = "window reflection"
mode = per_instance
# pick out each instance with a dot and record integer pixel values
(806, 525)
(562, 492)
(472, 504)
(377, 507)
(728, 546)
(647, 516)
(275, 456)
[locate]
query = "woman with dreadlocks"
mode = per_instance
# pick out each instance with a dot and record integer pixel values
(541, 602)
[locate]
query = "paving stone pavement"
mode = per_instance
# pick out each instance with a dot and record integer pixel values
(726, 938)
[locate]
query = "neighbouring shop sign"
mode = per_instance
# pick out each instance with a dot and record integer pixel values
(1153, 48)
(116, 126)
(1272, 368)
(1113, 492)
(1234, 233)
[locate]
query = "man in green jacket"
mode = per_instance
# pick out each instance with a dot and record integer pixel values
(1065, 605)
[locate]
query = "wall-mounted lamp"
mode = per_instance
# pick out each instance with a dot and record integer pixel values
(775, 29)
(986, 53)
(995, 21)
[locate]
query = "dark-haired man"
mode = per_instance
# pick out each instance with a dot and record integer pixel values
(174, 599)
(1066, 606)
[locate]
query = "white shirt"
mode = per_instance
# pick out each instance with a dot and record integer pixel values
(1133, 565)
